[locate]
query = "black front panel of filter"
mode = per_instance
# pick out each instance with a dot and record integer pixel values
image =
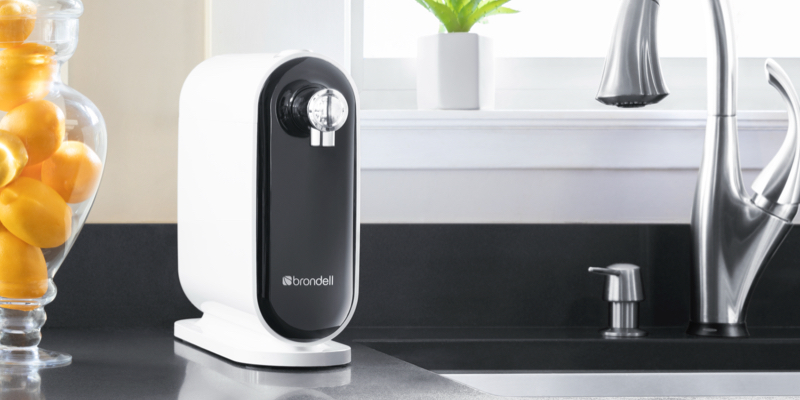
(306, 210)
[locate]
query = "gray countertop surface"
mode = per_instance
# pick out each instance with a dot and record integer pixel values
(150, 364)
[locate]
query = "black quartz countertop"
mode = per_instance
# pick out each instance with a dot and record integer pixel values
(151, 364)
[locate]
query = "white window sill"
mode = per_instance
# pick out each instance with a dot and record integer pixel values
(614, 139)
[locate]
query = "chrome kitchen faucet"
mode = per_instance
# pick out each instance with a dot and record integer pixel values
(734, 234)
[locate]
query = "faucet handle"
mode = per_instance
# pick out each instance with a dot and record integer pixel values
(623, 282)
(777, 187)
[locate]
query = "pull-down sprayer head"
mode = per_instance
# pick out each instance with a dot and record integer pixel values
(632, 73)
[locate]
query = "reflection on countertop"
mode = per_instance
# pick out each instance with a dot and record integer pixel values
(20, 383)
(150, 364)
(211, 377)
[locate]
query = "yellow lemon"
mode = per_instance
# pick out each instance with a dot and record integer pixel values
(40, 126)
(13, 157)
(35, 213)
(73, 171)
(26, 72)
(17, 18)
(24, 272)
(32, 171)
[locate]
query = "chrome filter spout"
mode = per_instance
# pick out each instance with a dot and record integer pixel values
(632, 73)
(734, 235)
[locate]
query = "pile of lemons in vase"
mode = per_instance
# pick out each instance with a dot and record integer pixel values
(41, 173)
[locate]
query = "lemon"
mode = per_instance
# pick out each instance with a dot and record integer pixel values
(32, 171)
(73, 171)
(35, 213)
(13, 157)
(24, 271)
(26, 72)
(17, 18)
(40, 126)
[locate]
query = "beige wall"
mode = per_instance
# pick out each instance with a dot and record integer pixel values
(131, 61)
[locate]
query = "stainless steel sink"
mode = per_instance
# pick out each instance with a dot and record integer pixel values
(666, 363)
(634, 384)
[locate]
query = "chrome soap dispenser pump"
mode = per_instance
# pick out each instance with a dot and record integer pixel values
(623, 292)
(268, 207)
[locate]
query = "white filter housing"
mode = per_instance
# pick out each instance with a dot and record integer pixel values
(268, 219)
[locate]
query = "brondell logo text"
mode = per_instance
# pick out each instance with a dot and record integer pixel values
(289, 280)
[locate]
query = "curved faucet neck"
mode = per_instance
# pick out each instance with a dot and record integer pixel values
(722, 62)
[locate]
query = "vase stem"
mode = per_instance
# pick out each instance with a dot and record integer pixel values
(20, 334)
(21, 328)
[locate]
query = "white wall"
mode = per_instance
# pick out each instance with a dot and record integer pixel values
(544, 167)
(131, 62)
(133, 58)
(270, 26)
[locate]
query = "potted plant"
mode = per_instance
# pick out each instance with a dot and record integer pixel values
(455, 70)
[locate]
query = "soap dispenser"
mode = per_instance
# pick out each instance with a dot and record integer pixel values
(268, 207)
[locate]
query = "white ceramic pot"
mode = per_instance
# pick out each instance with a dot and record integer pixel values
(455, 71)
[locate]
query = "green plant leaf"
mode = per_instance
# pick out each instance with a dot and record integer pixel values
(461, 4)
(443, 13)
(502, 10)
(456, 5)
(481, 12)
(422, 3)
(425, 4)
(462, 15)
(468, 8)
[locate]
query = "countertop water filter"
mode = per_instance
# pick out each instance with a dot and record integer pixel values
(268, 207)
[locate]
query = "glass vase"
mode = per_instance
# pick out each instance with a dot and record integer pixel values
(52, 154)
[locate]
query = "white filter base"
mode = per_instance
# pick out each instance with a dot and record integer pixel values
(248, 346)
